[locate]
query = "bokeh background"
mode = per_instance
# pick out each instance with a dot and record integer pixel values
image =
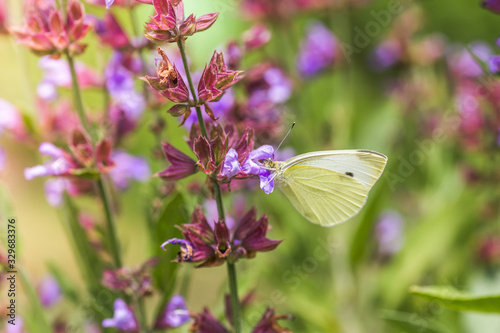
(432, 219)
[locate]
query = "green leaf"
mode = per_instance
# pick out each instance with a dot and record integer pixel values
(457, 300)
(38, 322)
(164, 273)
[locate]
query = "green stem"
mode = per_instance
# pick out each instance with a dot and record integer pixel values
(77, 96)
(203, 129)
(231, 270)
(142, 315)
(110, 223)
(100, 184)
(235, 302)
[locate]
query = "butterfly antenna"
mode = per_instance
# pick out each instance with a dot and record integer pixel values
(286, 136)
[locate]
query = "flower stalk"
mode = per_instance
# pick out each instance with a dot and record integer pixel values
(100, 183)
(203, 129)
(231, 269)
(77, 97)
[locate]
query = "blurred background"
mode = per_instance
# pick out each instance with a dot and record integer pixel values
(409, 79)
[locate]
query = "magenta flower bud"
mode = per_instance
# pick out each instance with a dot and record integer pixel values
(175, 314)
(49, 291)
(181, 164)
(256, 37)
(123, 318)
(216, 78)
(169, 82)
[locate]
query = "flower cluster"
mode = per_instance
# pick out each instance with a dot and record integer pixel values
(49, 31)
(213, 243)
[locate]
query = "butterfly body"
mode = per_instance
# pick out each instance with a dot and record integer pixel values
(328, 187)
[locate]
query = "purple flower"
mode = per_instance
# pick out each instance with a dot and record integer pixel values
(493, 5)
(3, 159)
(253, 165)
(389, 233)
(121, 86)
(56, 73)
(318, 50)
(231, 165)
(54, 190)
(56, 167)
(494, 64)
(128, 167)
(49, 291)
(463, 63)
(274, 87)
(174, 315)
(385, 55)
(186, 252)
(123, 318)
(213, 245)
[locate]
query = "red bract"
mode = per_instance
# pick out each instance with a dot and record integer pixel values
(216, 78)
(213, 152)
(135, 281)
(269, 323)
(205, 322)
(181, 164)
(169, 24)
(213, 245)
(3, 17)
(47, 31)
(169, 82)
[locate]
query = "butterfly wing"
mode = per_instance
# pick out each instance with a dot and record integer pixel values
(321, 195)
(365, 166)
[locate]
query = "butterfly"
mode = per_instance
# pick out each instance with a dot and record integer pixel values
(328, 187)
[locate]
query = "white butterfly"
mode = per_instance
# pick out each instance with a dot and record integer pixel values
(328, 187)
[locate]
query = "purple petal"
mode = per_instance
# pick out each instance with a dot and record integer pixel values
(176, 241)
(252, 165)
(109, 3)
(47, 148)
(266, 180)
(494, 64)
(36, 171)
(123, 318)
(317, 50)
(49, 291)
(128, 167)
(231, 165)
(54, 190)
(176, 313)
